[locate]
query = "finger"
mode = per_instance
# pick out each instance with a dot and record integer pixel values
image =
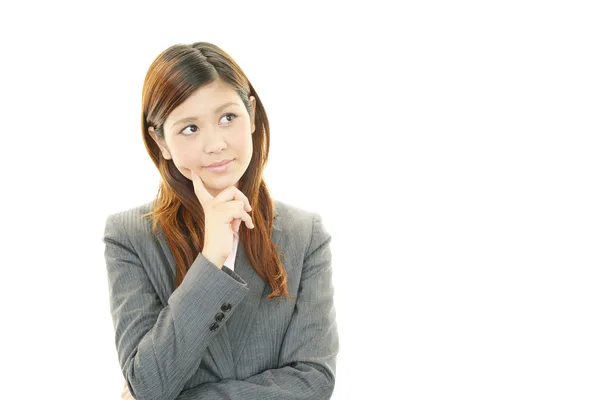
(236, 210)
(126, 394)
(203, 195)
(249, 222)
(233, 193)
(236, 225)
(242, 215)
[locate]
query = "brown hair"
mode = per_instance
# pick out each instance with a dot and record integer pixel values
(171, 78)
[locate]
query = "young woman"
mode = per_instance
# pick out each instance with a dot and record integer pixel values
(216, 290)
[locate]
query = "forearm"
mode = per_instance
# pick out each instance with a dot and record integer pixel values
(160, 347)
(305, 381)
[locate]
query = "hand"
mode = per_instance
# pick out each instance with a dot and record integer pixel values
(125, 394)
(223, 215)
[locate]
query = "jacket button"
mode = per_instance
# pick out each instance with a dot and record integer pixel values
(226, 307)
(214, 326)
(219, 317)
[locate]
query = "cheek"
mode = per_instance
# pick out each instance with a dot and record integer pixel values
(243, 141)
(249, 146)
(240, 141)
(185, 159)
(243, 138)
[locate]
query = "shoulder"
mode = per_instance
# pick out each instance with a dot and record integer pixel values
(301, 225)
(291, 217)
(131, 219)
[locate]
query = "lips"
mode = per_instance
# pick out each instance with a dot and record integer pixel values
(218, 164)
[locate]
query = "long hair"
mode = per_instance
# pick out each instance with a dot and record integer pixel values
(171, 78)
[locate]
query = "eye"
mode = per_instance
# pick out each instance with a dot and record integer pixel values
(230, 115)
(195, 128)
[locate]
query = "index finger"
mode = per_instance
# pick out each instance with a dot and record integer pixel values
(233, 193)
(203, 195)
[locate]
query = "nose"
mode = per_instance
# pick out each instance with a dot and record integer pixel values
(214, 140)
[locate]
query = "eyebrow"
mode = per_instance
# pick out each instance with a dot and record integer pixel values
(222, 106)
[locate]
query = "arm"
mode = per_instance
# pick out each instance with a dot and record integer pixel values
(160, 347)
(310, 346)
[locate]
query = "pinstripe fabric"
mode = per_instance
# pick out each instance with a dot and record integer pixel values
(263, 349)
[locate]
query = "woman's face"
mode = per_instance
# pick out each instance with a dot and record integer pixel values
(211, 125)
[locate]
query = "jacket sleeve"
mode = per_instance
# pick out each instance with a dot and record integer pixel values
(161, 347)
(308, 355)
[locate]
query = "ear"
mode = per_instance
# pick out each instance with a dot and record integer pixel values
(161, 144)
(252, 116)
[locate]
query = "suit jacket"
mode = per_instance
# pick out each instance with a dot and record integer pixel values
(217, 336)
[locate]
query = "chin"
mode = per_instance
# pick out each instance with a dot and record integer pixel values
(221, 181)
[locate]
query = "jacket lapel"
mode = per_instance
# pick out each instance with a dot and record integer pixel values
(242, 321)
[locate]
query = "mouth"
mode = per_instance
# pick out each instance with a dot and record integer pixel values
(218, 164)
(219, 167)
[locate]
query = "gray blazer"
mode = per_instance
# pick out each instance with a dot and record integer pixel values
(217, 336)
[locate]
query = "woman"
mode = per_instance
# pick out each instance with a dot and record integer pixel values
(190, 272)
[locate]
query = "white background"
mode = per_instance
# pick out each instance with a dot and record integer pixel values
(452, 149)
